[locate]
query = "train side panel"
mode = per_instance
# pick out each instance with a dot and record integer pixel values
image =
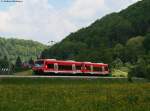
(70, 67)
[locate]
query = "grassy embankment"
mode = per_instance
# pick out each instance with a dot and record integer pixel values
(73, 95)
(24, 73)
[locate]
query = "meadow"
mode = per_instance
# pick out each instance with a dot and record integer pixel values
(47, 94)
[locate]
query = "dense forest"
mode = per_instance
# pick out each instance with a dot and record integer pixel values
(25, 49)
(121, 38)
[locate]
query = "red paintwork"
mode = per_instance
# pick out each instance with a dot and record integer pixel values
(84, 67)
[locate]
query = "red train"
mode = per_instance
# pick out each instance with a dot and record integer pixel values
(52, 66)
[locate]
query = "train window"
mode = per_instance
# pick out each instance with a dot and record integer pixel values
(97, 69)
(50, 66)
(73, 67)
(91, 68)
(106, 68)
(39, 63)
(78, 67)
(88, 67)
(64, 67)
(56, 66)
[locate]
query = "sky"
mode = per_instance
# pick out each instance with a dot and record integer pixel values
(53, 20)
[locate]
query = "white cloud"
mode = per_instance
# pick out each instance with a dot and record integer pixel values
(117, 5)
(84, 12)
(38, 20)
(35, 20)
(84, 9)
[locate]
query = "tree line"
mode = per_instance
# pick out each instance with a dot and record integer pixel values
(7, 67)
(12, 48)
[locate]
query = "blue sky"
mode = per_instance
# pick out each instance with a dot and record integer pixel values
(56, 3)
(60, 3)
(46, 20)
(5, 6)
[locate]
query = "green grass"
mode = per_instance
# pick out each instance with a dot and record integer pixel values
(73, 95)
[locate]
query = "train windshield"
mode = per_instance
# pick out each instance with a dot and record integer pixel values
(39, 63)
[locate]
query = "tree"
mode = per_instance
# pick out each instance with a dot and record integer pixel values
(24, 48)
(6, 65)
(119, 52)
(146, 43)
(141, 69)
(18, 62)
(134, 48)
(117, 63)
(148, 72)
(4, 62)
(31, 61)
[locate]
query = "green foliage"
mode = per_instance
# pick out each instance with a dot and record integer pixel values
(117, 63)
(141, 69)
(146, 43)
(18, 65)
(31, 61)
(134, 48)
(118, 51)
(12, 48)
(6, 67)
(17, 51)
(138, 15)
(130, 75)
(18, 62)
(148, 71)
(4, 63)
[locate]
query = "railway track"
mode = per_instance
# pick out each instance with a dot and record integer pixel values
(69, 77)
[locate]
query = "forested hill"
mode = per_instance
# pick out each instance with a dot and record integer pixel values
(26, 49)
(115, 36)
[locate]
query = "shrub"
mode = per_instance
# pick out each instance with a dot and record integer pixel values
(139, 71)
(117, 63)
(148, 72)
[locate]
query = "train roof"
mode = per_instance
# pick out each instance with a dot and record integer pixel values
(71, 61)
(54, 60)
(46, 60)
(91, 63)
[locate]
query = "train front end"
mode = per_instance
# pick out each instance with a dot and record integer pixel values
(38, 67)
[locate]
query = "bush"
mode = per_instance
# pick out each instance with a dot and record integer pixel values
(130, 75)
(117, 63)
(139, 71)
(148, 72)
(20, 69)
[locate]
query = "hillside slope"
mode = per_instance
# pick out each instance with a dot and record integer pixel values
(12, 48)
(96, 42)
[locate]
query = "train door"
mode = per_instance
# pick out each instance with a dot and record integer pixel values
(103, 70)
(56, 67)
(74, 68)
(91, 69)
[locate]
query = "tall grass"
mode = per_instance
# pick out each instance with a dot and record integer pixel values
(73, 95)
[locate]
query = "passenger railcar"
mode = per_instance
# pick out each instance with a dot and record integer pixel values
(52, 66)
